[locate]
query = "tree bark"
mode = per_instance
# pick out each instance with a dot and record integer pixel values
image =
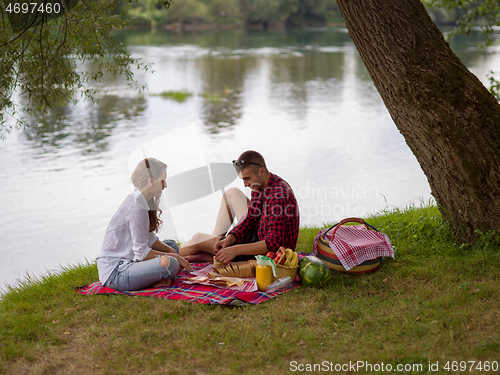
(448, 118)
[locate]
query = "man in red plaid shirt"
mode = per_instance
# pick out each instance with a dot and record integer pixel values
(271, 220)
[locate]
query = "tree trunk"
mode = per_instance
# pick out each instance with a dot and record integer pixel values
(448, 118)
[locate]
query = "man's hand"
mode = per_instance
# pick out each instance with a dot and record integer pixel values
(222, 244)
(227, 254)
(224, 252)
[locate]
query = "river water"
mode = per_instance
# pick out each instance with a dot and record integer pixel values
(301, 97)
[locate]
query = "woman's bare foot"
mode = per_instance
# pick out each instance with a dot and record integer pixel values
(161, 283)
(200, 257)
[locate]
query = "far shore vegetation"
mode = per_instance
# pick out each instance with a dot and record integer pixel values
(438, 302)
(199, 14)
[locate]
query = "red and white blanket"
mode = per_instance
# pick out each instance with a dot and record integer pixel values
(355, 244)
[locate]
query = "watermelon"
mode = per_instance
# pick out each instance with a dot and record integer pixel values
(313, 271)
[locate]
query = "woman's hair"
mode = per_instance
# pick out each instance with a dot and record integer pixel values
(149, 168)
(154, 220)
(146, 169)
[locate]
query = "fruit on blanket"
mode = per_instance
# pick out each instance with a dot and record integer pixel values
(313, 271)
(291, 258)
(271, 255)
(295, 259)
(281, 259)
(286, 257)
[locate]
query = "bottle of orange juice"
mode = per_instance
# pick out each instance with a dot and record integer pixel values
(265, 271)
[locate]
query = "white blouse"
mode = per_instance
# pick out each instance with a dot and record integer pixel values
(127, 237)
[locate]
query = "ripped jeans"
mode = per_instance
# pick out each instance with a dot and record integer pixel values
(139, 275)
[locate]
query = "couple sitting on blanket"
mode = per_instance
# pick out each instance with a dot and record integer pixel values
(133, 258)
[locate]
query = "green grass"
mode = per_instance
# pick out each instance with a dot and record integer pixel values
(178, 96)
(437, 301)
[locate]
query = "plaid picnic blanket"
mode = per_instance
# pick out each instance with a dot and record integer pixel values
(197, 293)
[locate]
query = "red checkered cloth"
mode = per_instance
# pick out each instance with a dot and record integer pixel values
(181, 290)
(355, 244)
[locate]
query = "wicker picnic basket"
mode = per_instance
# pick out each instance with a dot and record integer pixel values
(286, 271)
(327, 255)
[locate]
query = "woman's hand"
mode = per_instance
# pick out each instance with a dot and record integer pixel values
(183, 263)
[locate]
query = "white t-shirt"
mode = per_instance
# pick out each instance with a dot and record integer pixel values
(127, 237)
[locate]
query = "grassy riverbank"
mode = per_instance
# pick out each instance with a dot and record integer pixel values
(437, 301)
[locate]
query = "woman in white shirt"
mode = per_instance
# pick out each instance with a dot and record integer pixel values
(132, 257)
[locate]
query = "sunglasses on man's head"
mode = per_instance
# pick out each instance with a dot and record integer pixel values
(240, 164)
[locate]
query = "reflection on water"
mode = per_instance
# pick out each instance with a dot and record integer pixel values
(223, 80)
(292, 80)
(302, 97)
(87, 128)
(221, 109)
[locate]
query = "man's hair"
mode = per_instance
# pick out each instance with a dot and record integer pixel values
(253, 157)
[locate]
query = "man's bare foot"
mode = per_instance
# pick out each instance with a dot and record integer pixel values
(161, 283)
(199, 258)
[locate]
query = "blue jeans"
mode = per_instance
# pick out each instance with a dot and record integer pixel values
(140, 275)
(172, 244)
